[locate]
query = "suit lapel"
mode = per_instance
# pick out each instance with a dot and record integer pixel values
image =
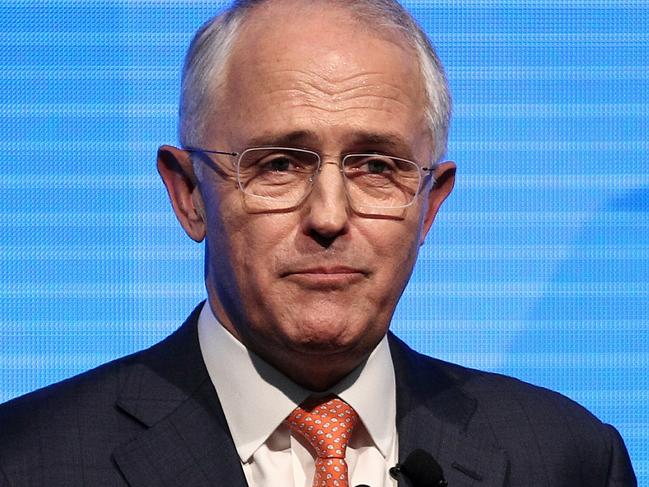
(186, 441)
(433, 413)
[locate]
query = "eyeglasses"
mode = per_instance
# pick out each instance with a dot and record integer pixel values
(280, 178)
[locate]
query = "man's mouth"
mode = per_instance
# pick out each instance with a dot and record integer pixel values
(326, 276)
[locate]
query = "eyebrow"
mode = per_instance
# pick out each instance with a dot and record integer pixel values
(299, 138)
(387, 142)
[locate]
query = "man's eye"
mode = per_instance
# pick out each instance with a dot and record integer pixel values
(374, 165)
(377, 166)
(277, 164)
(363, 165)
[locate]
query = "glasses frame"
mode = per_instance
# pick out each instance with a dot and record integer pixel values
(423, 172)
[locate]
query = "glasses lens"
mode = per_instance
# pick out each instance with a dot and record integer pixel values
(377, 182)
(279, 176)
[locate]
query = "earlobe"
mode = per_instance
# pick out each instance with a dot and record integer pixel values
(175, 169)
(444, 178)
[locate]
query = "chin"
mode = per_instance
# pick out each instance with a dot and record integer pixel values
(330, 337)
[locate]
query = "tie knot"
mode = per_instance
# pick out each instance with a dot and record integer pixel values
(326, 426)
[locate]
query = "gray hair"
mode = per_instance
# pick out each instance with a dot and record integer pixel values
(205, 68)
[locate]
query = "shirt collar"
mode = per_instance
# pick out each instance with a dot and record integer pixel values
(248, 387)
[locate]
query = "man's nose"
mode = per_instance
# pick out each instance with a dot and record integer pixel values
(327, 208)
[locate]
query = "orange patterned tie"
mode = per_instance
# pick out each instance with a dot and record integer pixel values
(327, 426)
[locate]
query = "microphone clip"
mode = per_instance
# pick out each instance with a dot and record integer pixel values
(419, 470)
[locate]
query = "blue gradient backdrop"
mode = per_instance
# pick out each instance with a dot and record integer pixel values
(537, 266)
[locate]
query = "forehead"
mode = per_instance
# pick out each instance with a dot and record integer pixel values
(319, 70)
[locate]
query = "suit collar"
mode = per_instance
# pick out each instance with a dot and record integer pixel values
(434, 414)
(187, 441)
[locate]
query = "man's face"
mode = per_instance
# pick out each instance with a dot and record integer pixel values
(318, 282)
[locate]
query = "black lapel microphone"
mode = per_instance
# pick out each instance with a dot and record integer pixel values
(421, 469)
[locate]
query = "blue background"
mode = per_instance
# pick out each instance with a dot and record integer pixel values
(537, 266)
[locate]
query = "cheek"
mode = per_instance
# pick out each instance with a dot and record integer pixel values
(258, 243)
(394, 246)
(226, 234)
(393, 240)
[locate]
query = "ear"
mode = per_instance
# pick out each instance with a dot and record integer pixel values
(444, 178)
(175, 168)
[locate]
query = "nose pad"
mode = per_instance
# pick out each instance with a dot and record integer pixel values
(328, 163)
(315, 176)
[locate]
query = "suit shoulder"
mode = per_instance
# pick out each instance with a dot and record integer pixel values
(65, 433)
(103, 382)
(51, 407)
(502, 393)
(538, 426)
(84, 404)
(546, 435)
(503, 408)
(73, 422)
(507, 393)
(503, 397)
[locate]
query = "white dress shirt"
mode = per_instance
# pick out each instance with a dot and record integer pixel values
(256, 398)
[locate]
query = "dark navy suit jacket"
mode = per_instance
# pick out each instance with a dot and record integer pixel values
(154, 419)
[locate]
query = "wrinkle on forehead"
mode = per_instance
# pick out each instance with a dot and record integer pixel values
(361, 91)
(350, 87)
(358, 84)
(332, 85)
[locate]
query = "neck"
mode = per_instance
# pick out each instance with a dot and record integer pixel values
(314, 371)
(318, 378)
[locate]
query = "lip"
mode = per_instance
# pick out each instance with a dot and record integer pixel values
(326, 276)
(328, 270)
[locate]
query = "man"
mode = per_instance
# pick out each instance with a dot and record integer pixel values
(311, 137)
